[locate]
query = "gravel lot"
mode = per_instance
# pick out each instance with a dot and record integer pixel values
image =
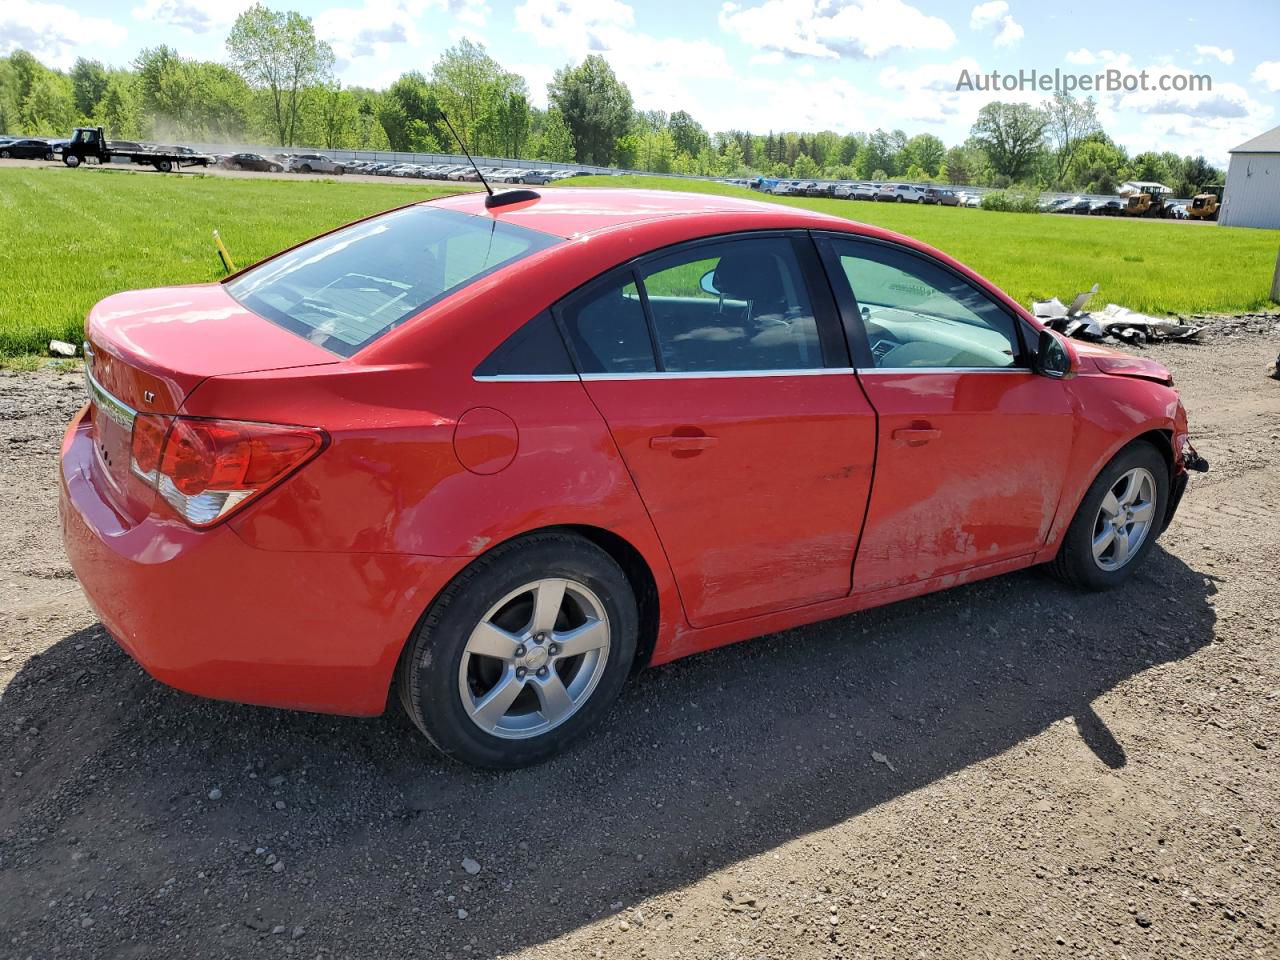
(1009, 769)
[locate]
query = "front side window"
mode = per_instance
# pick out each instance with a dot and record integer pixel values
(345, 290)
(918, 314)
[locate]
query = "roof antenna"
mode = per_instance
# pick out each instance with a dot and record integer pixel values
(493, 199)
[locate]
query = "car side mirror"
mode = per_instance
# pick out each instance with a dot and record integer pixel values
(1052, 358)
(707, 284)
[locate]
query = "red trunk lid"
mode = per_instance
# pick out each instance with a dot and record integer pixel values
(148, 349)
(151, 348)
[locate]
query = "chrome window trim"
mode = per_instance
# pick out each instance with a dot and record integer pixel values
(117, 410)
(719, 374)
(865, 371)
(527, 378)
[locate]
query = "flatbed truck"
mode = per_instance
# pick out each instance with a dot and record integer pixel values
(90, 142)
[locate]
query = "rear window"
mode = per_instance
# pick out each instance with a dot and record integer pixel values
(345, 290)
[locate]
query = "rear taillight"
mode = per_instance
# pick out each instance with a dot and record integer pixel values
(148, 440)
(205, 469)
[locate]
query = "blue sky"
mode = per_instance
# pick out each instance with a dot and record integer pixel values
(844, 65)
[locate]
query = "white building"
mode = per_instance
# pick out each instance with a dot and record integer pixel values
(1252, 196)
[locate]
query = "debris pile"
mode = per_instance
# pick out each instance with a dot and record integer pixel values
(1114, 322)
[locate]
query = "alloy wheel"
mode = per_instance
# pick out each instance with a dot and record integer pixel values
(534, 659)
(1125, 519)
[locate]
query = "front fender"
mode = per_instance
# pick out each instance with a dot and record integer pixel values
(1112, 412)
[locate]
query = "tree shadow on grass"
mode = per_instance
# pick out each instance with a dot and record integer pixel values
(703, 763)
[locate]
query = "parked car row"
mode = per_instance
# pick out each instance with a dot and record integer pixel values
(463, 172)
(319, 163)
(843, 190)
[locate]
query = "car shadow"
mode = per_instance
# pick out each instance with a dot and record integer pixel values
(703, 763)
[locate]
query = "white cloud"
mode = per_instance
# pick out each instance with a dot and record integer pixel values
(1010, 33)
(794, 103)
(53, 33)
(996, 14)
(986, 14)
(192, 16)
(934, 77)
(574, 25)
(1221, 54)
(1267, 73)
(927, 95)
(833, 29)
(364, 38)
(664, 73)
(1107, 58)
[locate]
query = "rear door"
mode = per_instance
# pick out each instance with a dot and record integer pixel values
(973, 445)
(724, 378)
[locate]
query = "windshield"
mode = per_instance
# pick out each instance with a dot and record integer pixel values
(347, 289)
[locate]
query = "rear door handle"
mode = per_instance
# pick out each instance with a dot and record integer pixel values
(914, 436)
(683, 443)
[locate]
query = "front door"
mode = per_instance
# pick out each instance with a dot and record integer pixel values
(973, 444)
(721, 372)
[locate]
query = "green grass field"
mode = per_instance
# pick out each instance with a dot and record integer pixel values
(70, 237)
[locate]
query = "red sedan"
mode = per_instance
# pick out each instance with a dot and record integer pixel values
(497, 456)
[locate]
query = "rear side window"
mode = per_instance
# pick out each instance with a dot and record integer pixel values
(535, 350)
(345, 290)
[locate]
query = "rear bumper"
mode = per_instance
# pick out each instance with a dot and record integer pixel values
(206, 613)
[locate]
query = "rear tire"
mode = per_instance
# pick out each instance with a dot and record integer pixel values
(491, 685)
(1123, 508)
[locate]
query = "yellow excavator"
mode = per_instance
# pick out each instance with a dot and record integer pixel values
(1205, 205)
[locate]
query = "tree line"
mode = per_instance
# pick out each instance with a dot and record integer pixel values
(277, 85)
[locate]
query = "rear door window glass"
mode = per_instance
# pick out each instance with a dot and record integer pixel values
(735, 306)
(608, 330)
(345, 290)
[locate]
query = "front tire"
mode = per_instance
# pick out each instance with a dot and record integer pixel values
(1117, 522)
(526, 650)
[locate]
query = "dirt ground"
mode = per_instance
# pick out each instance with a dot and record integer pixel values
(1010, 769)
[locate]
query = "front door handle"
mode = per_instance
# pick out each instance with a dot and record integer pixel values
(699, 442)
(915, 436)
